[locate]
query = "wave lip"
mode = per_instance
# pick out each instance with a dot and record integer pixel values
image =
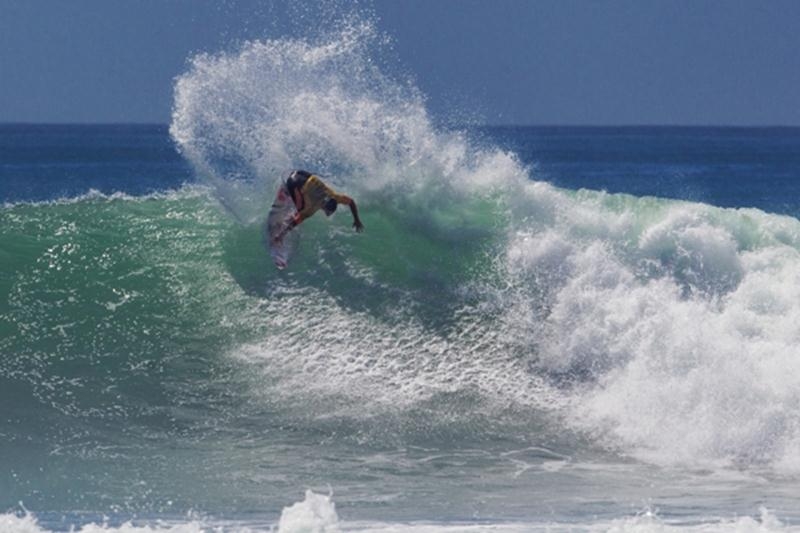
(244, 118)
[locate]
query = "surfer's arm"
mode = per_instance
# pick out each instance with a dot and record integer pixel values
(354, 210)
(344, 199)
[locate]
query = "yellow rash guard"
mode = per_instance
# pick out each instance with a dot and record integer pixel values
(315, 192)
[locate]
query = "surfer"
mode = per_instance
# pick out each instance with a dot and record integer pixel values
(310, 194)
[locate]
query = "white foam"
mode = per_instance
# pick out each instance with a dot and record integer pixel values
(681, 320)
(647, 522)
(315, 514)
(361, 366)
(12, 523)
(93, 195)
(27, 523)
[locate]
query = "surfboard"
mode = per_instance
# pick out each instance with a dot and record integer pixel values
(278, 219)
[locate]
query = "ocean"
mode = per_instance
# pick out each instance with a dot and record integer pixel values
(541, 329)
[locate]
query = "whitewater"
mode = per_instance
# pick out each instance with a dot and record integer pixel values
(494, 353)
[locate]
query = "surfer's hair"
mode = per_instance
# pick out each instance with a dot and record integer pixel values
(329, 206)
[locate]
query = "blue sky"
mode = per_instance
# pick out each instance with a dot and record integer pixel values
(595, 62)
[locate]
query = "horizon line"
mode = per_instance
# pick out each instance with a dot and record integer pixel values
(468, 125)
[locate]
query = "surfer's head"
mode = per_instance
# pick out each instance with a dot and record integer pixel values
(329, 206)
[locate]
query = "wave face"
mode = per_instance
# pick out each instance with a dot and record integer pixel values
(666, 328)
(480, 306)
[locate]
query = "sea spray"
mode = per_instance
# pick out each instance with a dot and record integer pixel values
(245, 118)
(315, 514)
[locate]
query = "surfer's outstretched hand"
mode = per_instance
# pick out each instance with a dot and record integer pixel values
(359, 226)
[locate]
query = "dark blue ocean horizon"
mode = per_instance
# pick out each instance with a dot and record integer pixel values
(724, 166)
(47, 161)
